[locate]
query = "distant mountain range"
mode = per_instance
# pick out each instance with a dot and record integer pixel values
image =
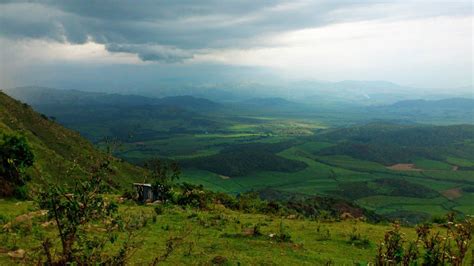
(322, 93)
(41, 96)
(274, 101)
(451, 103)
(69, 105)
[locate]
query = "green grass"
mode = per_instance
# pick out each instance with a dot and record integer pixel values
(207, 234)
(460, 162)
(432, 165)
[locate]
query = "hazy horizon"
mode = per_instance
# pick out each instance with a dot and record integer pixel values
(110, 47)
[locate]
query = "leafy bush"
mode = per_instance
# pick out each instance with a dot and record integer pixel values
(163, 174)
(437, 249)
(357, 240)
(158, 209)
(15, 157)
(322, 234)
(250, 202)
(225, 199)
(74, 210)
(193, 196)
(283, 235)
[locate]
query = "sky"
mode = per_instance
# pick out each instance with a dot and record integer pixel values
(117, 44)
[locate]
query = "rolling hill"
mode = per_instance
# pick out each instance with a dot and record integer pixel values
(394, 143)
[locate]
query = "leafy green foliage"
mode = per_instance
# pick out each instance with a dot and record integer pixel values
(15, 157)
(316, 207)
(392, 250)
(451, 248)
(163, 174)
(358, 240)
(73, 211)
(193, 196)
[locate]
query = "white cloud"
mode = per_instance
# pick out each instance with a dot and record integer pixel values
(411, 42)
(393, 50)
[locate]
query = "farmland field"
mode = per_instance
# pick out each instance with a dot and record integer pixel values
(306, 156)
(406, 167)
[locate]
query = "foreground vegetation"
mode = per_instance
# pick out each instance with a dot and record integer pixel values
(183, 234)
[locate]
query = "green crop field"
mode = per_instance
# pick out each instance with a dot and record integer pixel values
(327, 170)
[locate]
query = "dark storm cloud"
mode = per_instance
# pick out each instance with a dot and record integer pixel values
(172, 31)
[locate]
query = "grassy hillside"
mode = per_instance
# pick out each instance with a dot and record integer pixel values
(60, 153)
(220, 236)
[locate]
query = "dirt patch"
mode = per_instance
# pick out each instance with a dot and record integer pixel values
(453, 193)
(404, 167)
(224, 177)
(25, 217)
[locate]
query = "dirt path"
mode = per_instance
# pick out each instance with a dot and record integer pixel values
(452, 193)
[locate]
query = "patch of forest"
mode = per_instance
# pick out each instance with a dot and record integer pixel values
(391, 143)
(242, 159)
(384, 186)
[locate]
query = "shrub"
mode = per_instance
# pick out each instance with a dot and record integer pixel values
(322, 234)
(357, 240)
(250, 202)
(74, 210)
(163, 175)
(225, 199)
(159, 209)
(283, 235)
(15, 157)
(391, 250)
(437, 249)
(193, 196)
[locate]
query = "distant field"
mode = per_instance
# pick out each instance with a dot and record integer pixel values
(408, 169)
(324, 175)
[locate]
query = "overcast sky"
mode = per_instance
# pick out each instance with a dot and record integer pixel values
(129, 43)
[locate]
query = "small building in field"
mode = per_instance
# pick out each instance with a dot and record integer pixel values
(144, 192)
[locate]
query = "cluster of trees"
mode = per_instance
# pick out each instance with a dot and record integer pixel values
(391, 144)
(15, 157)
(240, 160)
(385, 186)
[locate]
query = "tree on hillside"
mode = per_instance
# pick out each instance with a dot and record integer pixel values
(79, 212)
(15, 157)
(163, 174)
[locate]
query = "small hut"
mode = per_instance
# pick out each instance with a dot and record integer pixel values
(144, 192)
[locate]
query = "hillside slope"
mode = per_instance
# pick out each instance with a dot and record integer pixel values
(60, 154)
